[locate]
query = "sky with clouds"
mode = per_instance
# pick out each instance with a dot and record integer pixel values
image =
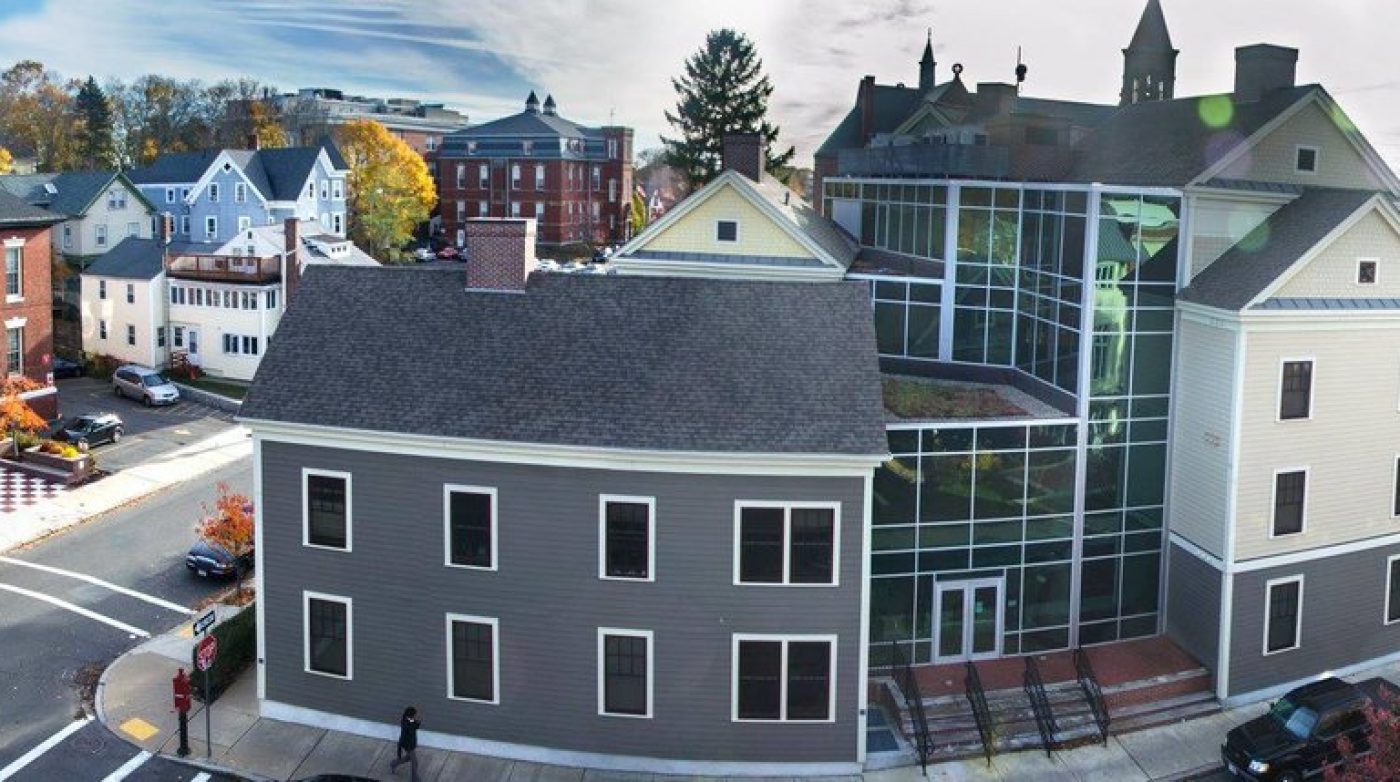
(613, 59)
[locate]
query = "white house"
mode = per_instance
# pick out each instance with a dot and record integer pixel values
(123, 293)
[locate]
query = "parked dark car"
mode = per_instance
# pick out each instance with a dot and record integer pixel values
(1299, 736)
(207, 559)
(62, 367)
(90, 429)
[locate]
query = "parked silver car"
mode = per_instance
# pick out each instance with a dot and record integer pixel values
(145, 384)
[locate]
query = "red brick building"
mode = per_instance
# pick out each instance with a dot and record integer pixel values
(575, 181)
(27, 307)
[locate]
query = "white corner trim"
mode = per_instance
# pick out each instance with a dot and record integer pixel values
(558, 757)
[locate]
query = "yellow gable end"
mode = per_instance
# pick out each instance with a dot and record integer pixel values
(694, 232)
(1333, 273)
(1275, 157)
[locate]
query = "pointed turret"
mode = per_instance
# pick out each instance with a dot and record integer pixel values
(549, 105)
(927, 65)
(1149, 62)
(532, 103)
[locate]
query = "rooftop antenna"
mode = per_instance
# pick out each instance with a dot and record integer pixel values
(1020, 70)
(611, 112)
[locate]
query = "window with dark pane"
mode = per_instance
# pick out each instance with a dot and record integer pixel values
(813, 546)
(1283, 616)
(469, 525)
(1295, 398)
(473, 661)
(1395, 501)
(1290, 488)
(809, 680)
(760, 680)
(1392, 586)
(1366, 272)
(625, 674)
(628, 540)
(727, 231)
(326, 510)
(761, 545)
(328, 637)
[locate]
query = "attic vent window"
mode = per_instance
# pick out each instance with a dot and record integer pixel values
(1306, 161)
(1366, 272)
(227, 168)
(726, 230)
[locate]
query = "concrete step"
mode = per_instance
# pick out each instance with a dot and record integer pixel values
(1178, 713)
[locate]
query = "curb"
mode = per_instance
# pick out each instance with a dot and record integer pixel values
(208, 398)
(1179, 776)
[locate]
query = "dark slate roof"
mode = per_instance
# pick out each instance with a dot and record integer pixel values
(14, 211)
(525, 123)
(174, 168)
(893, 105)
(286, 170)
(132, 258)
(74, 192)
(1167, 143)
(1151, 33)
(611, 361)
(1257, 260)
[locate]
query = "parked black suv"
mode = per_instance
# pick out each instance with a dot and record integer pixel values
(1299, 736)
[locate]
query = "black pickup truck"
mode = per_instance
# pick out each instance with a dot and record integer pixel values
(1299, 736)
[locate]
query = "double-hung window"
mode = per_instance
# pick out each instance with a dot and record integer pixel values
(102, 289)
(101, 234)
(469, 526)
(14, 272)
(213, 192)
(1290, 502)
(211, 227)
(329, 635)
(624, 672)
(539, 177)
(338, 189)
(786, 543)
(130, 293)
(1392, 589)
(169, 195)
(1283, 620)
(130, 334)
(515, 176)
(1295, 390)
(326, 509)
(627, 538)
(240, 192)
(784, 678)
(483, 177)
(14, 351)
(473, 658)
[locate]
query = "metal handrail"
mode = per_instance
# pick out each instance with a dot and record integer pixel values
(914, 699)
(1040, 705)
(1093, 693)
(977, 699)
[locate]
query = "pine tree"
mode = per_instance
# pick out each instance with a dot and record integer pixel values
(95, 146)
(724, 90)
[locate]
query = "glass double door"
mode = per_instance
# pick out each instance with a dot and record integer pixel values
(967, 620)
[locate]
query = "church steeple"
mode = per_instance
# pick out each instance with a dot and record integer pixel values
(927, 65)
(1149, 62)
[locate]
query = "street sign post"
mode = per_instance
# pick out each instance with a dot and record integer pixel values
(204, 622)
(204, 655)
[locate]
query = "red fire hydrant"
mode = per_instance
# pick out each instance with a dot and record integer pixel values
(181, 685)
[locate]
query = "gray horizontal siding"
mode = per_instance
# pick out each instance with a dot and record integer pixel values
(550, 602)
(1343, 607)
(1193, 605)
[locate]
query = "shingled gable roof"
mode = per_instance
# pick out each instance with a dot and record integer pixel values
(678, 365)
(74, 191)
(1263, 256)
(278, 174)
(16, 212)
(132, 258)
(525, 124)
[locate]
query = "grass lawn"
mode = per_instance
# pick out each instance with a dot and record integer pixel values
(228, 388)
(907, 398)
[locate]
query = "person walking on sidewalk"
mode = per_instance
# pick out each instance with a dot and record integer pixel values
(408, 743)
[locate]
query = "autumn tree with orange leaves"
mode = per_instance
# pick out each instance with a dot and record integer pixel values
(229, 525)
(1377, 757)
(16, 415)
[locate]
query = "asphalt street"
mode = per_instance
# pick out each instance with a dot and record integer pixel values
(149, 432)
(72, 603)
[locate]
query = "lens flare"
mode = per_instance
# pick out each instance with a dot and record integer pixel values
(1216, 111)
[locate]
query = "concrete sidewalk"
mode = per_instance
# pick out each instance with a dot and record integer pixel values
(76, 505)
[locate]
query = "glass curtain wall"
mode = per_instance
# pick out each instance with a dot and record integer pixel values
(906, 317)
(985, 299)
(1051, 282)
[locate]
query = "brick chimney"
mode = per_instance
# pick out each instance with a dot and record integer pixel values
(743, 152)
(254, 143)
(291, 261)
(996, 98)
(500, 252)
(1263, 68)
(865, 99)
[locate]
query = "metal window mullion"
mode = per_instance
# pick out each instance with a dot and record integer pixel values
(787, 545)
(782, 680)
(1089, 279)
(952, 206)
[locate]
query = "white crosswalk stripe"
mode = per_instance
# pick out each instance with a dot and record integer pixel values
(47, 744)
(77, 609)
(128, 767)
(152, 599)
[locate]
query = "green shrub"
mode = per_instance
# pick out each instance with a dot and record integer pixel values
(102, 366)
(28, 440)
(238, 646)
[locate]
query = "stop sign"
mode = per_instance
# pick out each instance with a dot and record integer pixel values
(205, 653)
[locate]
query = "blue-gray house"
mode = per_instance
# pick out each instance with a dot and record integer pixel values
(214, 194)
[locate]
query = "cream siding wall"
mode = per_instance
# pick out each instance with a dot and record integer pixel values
(1349, 444)
(1274, 157)
(1200, 441)
(85, 229)
(214, 322)
(1333, 272)
(1219, 223)
(758, 235)
(143, 313)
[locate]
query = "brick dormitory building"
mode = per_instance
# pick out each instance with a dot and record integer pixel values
(575, 181)
(27, 309)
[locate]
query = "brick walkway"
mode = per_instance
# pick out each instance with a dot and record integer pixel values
(18, 490)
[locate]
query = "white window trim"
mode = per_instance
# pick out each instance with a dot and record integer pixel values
(835, 507)
(738, 230)
(603, 632)
(495, 657)
(650, 502)
(169, 195)
(1317, 159)
(11, 244)
(1385, 617)
(782, 678)
(306, 597)
(1268, 610)
(307, 472)
(447, 490)
(1357, 280)
(1278, 389)
(1273, 501)
(211, 226)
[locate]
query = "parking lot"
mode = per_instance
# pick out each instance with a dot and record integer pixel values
(148, 432)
